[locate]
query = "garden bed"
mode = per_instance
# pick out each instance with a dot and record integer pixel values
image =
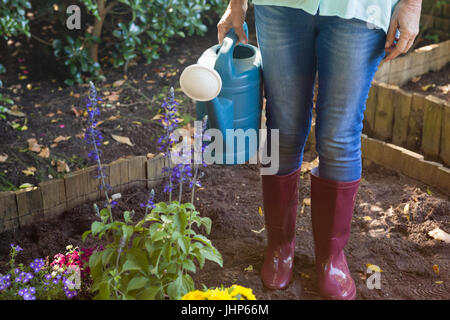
(383, 234)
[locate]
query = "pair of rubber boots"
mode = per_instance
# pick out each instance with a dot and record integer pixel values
(332, 204)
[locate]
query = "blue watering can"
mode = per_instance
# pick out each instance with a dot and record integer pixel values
(226, 85)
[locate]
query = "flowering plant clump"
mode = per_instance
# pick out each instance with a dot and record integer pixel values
(235, 292)
(74, 258)
(35, 281)
(150, 258)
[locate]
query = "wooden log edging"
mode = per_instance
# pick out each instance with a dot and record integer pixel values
(410, 120)
(24, 207)
(422, 60)
(402, 160)
(409, 163)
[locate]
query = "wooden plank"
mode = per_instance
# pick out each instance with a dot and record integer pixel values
(402, 108)
(432, 123)
(29, 206)
(154, 170)
(137, 171)
(444, 154)
(92, 183)
(9, 218)
(415, 126)
(76, 188)
(443, 178)
(384, 115)
(371, 107)
(119, 175)
(53, 197)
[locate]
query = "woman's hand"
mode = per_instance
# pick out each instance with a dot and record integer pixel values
(406, 19)
(234, 18)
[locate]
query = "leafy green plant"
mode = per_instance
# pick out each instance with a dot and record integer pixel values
(3, 100)
(13, 19)
(77, 59)
(150, 262)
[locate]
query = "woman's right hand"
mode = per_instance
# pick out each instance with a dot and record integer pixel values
(234, 18)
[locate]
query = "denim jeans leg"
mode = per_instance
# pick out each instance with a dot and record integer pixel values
(349, 53)
(286, 40)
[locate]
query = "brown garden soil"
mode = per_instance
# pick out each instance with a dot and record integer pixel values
(436, 83)
(398, 244)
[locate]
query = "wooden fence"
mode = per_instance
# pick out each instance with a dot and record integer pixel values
(402, 69)
(52, 197)
(411, 120)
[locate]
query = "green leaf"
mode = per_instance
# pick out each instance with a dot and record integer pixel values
(136, 260)
(149, 293)
(175, 289)
(97, 227)
(85, 234)
(212, 254)
(137, 283)
(189, 265)
(106, 256)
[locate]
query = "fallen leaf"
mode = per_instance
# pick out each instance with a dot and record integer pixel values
(258, 231)
(406, 211)
(307, 201)
(26, 185)
(15, 113)
(45, 153)
(29, 171)
(428, 86)
(367, 218)
(137, 123)
(124, 140)
(150, 155)
(304, 275)
(33, 145)
(3, 157)
(374, 267)
(439, 234)
(118, 83)
(61, 138)
(249, 268)
(260, 211)
(436, 269)
(416, 79)
(51, 114)
(439, 282)
(61, 166)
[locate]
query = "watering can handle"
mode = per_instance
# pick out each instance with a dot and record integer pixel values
(224, 63)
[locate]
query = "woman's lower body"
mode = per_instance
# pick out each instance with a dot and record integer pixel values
(345, 54)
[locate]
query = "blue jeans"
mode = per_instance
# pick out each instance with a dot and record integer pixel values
(345, 53)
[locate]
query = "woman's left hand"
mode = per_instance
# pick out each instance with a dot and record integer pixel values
(406, 18)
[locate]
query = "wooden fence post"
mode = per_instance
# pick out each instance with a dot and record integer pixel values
(415, 126)
(371, 108)
(384, 116)
(119, 175)
(53, 197)
(432, 123)
(76, 185)
(29, 205)
(402, 108)
(445, 136)
(9, 218)
(137, 171)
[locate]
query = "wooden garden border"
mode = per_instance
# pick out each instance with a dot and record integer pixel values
(422, 60)
(411, 120)
(52, 197)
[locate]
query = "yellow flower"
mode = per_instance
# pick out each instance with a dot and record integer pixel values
(194, 295)
(218, 294)
(246, 293)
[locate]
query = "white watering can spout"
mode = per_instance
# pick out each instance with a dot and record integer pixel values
(200, 83)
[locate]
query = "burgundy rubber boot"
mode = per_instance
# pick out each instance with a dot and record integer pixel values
(332, 205)
(280, 195)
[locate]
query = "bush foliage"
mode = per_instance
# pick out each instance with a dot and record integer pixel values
(123, 30)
